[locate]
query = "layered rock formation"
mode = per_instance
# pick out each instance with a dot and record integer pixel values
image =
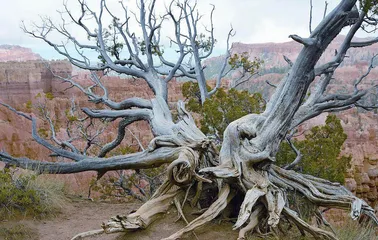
(22, 81)
(272, 53)
(17, 54)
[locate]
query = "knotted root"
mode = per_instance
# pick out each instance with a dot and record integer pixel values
(263, 206)
(182, 170)
(88, 234)
(321, 192)
(144, 216)
(250, 199)
(212, 212)
(253, 221)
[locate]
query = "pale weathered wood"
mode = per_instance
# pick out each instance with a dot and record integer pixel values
(245, 162)
(250, 200)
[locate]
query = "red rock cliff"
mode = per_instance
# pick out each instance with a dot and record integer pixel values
(17, 53)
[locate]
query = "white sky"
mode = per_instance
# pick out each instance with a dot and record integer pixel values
(255, 21)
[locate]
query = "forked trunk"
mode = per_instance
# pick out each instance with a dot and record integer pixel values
(244, 167)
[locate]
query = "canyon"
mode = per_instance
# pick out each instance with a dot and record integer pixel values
(24, 77)
(17, 54)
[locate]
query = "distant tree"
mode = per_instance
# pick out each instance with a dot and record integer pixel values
(244, 66)
(320, 151)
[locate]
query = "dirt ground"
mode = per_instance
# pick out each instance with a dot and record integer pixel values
(79, 215)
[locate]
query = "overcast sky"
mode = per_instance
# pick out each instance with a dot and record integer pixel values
(255, 21)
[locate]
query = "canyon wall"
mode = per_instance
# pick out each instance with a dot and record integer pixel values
(17, 54)
(22, 81)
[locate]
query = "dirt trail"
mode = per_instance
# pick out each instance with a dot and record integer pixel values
(83, 215)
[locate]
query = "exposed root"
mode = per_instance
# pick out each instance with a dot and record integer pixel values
(144, 216)
(276, 203)
(261, 210)
(163, 189)
(88, 234)
(197, 196)
(179, 210)
(246, 208)
(181, 213)
(321, 192)
(314, 231)
(186, 194)
(253, 221)
(323, 221)
(182, 170)
(213, 211)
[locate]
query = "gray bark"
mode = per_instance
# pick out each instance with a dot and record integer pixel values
(245, 162)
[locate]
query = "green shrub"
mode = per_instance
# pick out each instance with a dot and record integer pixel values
(29, 106)
(49, 96)
(222, 108)
(26, 195)
(43, 132)
(321, 152)
(321, 158)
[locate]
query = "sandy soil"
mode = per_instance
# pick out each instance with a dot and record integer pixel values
(80, 215)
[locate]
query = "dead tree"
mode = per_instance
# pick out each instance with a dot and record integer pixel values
(245, 166)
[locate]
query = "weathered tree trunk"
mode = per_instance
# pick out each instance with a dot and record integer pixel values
(244, 167)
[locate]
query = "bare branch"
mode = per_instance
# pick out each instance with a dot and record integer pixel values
(222, 72)
(330, 66)
(288, 61)
(363, 43)
(325, 9)
(63, 144)
(15, 111)
(125, 104)
(43, 142)
(139, 160)
(144, 114)
(239, 81)
(270, 84)
(298, 154)
(371, 66)
(211, 31)
(121, 135)
(310, 20)
(304, 41)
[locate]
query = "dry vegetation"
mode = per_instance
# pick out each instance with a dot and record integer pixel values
(17, 232)
(351, 230)
(26, 195)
